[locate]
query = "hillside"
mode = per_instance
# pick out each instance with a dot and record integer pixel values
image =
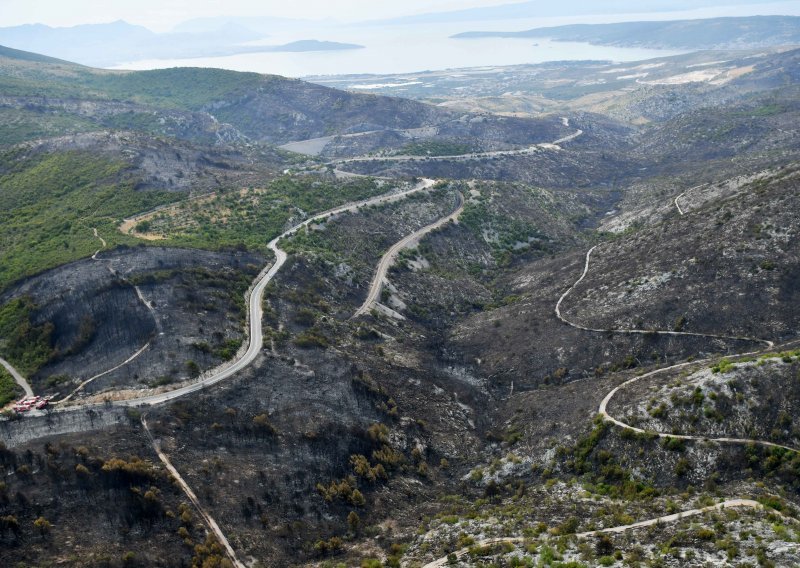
(265, 108)
(435, 338)
(715, 33)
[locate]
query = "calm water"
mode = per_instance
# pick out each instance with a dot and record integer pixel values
(406, 49)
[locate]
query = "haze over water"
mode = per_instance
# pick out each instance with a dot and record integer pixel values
(405, 49)
(393, 48)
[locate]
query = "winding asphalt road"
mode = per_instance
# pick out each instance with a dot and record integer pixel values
(20, 380)
(471, 156)
(255, 309)
(254, 316)
(391, 255)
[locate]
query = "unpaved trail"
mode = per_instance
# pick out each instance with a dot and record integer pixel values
(391, 255)
(769, 345)
(766, 342)
(677, 199)
(81, 386)
(569, 138)
(603, 409)
(136, 354)
(209, 520)
(102, 242)
(729, 504)
(18, 378)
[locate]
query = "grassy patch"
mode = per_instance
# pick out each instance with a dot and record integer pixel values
(23, 344)
(49, 204)
(252, 218)
(436, 148)
(19, 125)
(503, 234)
(186, 87)
(9, 389)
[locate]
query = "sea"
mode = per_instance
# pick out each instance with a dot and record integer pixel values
(391, 48)
(394, 49)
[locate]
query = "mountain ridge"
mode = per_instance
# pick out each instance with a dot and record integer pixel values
(711, 33)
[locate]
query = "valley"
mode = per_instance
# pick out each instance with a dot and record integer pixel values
(287, 325)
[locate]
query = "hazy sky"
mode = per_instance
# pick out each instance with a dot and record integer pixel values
(161, 15)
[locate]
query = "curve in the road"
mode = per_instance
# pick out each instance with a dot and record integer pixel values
(102, 241)
(255, 339)
(471, 156)
(253, 344)
(209, 520)
(560, 316)
(391, 255)
(677, 199)
(603, 409)
(729, 504)
(18, 378)
(568, 138)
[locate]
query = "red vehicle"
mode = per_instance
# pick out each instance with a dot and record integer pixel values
(27, 403)
(42, 404)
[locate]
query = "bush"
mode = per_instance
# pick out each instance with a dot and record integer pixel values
(311, 338)
(143, 226)
(675, 444)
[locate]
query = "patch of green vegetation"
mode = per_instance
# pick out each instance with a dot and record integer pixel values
(436, 148)
(723, 366)
(23, 344)
(186, 87)
(312, 338)
(19, 125)
(601, 472)
(9, 389)
(504, 234)
(183, 87)
(50, 203)
(768, 110)
(251, 219)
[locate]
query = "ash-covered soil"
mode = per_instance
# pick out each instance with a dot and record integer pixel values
(729, 267)
(188, 304)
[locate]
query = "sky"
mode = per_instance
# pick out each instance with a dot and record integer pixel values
(162, 15)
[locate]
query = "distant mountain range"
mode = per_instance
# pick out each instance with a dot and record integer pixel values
(714, 33)
(105, 45)
(543, 9)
